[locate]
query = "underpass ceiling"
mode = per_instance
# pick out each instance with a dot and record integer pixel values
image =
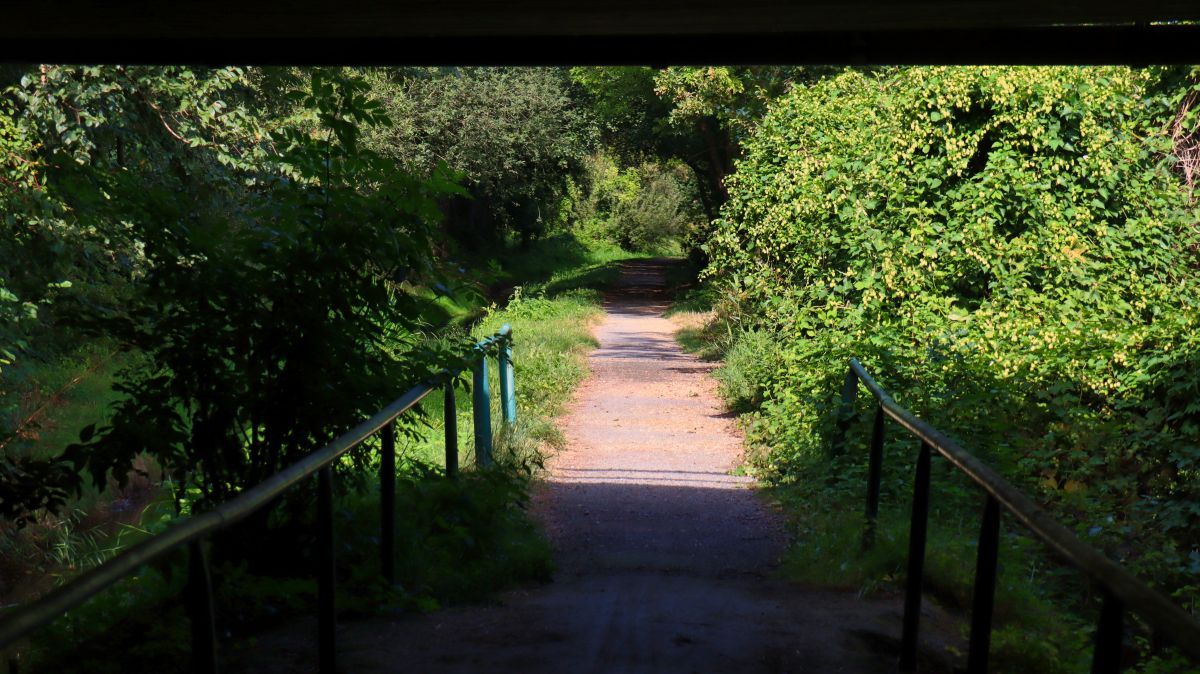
(604, 31)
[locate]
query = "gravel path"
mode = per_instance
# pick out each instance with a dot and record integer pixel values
(665, 559)
(644, 484)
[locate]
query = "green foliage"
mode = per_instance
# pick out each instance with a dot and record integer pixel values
(633, 119)
(694, 115)
(243, 375)
(514, 133)
(643, 208)
(18, 177)
(602, 189)
(983, 239)
(203, 226)
(736, 98)
(661, 213)
(83, 146)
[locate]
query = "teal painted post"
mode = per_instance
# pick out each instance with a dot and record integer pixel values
(450, 418)
(326, 576)
(481, 404)
(200, 606)
(845, 413)
(387, 502)
(508, 391)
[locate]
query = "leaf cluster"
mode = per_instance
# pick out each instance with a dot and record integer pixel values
(1012, 252)
(514, 134)
(272, 260)
(639, 208)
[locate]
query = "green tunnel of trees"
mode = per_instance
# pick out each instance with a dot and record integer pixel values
(1014, 251)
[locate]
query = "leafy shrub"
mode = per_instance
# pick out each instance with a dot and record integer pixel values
(639, 208)
(515, 134)
(243, 376)
(1011, 252)
(660, 212)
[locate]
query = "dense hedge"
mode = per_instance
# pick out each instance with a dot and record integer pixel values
(1010, 250)
(639, 208)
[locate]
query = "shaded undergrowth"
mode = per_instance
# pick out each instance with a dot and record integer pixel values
(459, 540)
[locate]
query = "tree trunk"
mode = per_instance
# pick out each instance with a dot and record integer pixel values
(719, 157)
(711, 210)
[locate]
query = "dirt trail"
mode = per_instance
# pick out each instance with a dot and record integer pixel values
(644, 484)
(665, 559)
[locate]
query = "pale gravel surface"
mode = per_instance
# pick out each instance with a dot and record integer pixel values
(665, 559)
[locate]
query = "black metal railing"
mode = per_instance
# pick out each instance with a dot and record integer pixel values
(1121, 590)
(193, 531)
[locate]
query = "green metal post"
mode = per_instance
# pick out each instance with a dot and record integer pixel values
(508, 392)
(845, 413)
(916, 562)
(1106, 658)
(202, 614)
(986, 563)
(387, 503)
(450, 417)
(481, 401)
(874, 472)
(326, 608)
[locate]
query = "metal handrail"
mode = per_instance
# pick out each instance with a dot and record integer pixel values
(193, 530)
(1121, 590)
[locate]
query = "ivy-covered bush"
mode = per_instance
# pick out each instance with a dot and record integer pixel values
(1011, 251)
(640, 208)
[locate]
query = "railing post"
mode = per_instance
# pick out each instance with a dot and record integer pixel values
(508, 393)
(1106, 658)
(450, 422)
(481, 400)
(201, 613)
(873, 477)
(387, 503)
(985, 588)
(845, 413)
(326, 608)
(916, 563)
